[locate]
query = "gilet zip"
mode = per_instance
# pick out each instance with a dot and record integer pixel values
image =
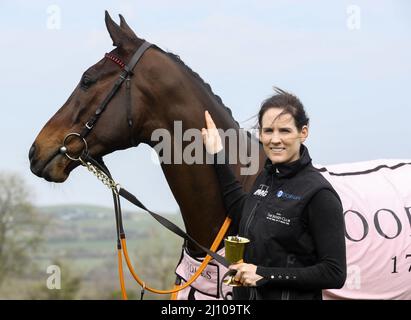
(250, 218)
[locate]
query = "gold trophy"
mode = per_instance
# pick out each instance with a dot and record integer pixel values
(234, 253)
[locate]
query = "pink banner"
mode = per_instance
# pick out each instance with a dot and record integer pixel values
(376, 197)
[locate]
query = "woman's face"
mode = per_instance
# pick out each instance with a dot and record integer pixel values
(280, 137)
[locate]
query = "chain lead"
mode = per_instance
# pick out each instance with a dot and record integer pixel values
(107, 181)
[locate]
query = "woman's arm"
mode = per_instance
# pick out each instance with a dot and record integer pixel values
(232, 191)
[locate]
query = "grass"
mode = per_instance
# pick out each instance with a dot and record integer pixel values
(82, 239)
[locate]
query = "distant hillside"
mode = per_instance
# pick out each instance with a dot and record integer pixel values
(85, 211)
(82, 239)
(88, 222)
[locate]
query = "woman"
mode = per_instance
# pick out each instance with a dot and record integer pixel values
(292, 216)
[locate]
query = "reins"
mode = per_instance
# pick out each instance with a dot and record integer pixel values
(99, 169)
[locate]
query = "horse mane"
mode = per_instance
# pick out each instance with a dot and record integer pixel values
(178, 60)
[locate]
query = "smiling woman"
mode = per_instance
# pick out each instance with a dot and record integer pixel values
(283, 127)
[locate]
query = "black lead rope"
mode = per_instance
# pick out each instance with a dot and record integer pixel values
(172, 227)
(175, 229)
(163, 221)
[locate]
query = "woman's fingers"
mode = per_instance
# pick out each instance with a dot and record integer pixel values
(242, 277)
(209, 121)
(211, 136)
(245, 274)
(239, 269)
(204, 133)
(248, 283)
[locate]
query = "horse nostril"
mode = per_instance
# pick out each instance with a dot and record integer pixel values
(32, 151)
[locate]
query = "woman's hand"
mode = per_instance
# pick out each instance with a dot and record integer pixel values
(246, 274)
(211, 137)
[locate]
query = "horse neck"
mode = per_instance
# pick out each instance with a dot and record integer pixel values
(197, 192)
(195, 187)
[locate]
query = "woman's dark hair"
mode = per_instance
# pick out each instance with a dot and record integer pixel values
(290, 105)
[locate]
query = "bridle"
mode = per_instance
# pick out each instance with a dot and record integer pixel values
(100, 170)
(127, 72)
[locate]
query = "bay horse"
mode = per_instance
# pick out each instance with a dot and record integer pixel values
(161, 91)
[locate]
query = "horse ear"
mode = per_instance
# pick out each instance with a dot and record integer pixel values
(126, 28)
(116, 33)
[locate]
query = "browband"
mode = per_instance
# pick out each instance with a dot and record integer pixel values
(115, 59)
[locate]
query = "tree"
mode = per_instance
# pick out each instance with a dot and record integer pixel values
(21, 227)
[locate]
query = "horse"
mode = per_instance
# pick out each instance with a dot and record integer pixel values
(162, 90)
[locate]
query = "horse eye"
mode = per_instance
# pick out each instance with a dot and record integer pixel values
(86, 82)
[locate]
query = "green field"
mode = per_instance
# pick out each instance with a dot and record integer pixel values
(81, 240)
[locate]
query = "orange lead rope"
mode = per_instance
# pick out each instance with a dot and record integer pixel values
(121, 275)
(176, 288)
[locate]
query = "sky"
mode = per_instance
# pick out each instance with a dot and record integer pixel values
(348, 61)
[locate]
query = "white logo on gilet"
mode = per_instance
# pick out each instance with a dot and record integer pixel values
(262, 190)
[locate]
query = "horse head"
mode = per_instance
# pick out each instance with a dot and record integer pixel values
(118, 128)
